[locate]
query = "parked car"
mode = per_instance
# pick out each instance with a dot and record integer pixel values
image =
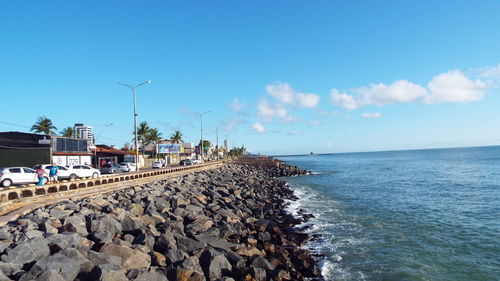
(128, 167)
(186, 162)
(62, 172)
(82, 171)
(196, 161)
(112, 168)
(18, 175)
(157, 165)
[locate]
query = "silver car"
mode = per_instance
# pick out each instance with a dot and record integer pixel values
(111, 169)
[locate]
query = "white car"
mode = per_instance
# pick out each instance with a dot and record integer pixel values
(62, 172)
(83, 171)
(18, 175)
(128, 167)
(196, 161)
(157, 165)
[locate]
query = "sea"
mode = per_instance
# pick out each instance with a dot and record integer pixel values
(402, 215)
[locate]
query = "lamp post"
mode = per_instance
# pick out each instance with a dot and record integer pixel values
(135, 121)
(201, 132)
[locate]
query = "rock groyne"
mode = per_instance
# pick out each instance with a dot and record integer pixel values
(224, 224)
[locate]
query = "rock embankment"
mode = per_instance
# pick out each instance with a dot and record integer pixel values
(223, 224)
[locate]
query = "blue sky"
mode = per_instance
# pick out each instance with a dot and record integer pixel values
(278, 76)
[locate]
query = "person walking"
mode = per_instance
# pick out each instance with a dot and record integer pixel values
(53, 173)
(40, 173)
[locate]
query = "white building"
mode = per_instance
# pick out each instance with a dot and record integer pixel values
(84, 132)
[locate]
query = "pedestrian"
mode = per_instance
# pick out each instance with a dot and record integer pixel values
(53, 173)
(40, 173)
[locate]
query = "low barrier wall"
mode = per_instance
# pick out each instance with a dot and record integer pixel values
(16, 193)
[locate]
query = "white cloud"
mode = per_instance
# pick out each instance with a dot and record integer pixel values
(285, 94)
(236, 105)
(400, 91)
(451, 86)
(258, 127)
(454, 86)
(295, 133)
(490, 72)
(282, 92)
(268, 111)
(371, 115)
(307, 100)
(314, 122)
(231, 123)
(291, 119)
(343, 100)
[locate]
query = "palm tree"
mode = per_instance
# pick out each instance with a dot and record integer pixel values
(44, 125)
(68, 132)
(176, 137)
(152, 136)
(142, 131)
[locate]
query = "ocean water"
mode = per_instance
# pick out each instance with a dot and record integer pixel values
(403, 215)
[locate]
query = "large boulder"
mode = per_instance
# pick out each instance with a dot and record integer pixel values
(108, 272)
(68, 264)
(131, 259)
(28, 251)
(104, 229)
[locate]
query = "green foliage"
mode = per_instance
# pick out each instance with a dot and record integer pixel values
(176, 137)
(68, 132)
(206, 144)
(237, 151)
(44, 125)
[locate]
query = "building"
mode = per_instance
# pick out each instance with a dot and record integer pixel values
(27, 149)
(84, 132)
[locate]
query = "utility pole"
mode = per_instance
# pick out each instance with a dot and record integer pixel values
(135, 121)
(201, 132)
(217, 137)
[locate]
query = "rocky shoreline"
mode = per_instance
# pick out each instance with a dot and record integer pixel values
(223, 224)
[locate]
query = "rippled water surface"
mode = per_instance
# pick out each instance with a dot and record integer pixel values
(404, 215)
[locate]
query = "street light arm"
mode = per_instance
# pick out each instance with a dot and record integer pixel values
(125, 85)
(147, 82)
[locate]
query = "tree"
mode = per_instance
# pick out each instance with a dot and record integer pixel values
(238, 151)
(152, 136)
(142, 131)
(176, 137)
(206, 144)
(44, 125)
(68, 132)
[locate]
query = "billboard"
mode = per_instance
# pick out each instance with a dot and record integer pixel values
(168, 148)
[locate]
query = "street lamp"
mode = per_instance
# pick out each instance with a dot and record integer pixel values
(135, 121)
(201, 131)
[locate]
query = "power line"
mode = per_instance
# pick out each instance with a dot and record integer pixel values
(13, 124)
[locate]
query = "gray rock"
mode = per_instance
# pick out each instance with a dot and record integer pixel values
(4, 277)
(108, 272)
(131, 223)
(75, 223)
(33, 233)
(57, 213)
(10, 269)
(5, 234)
(104, 229)
(174, 256)
(100, 258)
(63, 241)
(68, 268)
(261, 262)
(146, 240)
(151, 276)
(165, 242)
(188, 244)
(50, 275)
(28, 251)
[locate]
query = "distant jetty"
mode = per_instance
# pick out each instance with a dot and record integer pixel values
(227, 224)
